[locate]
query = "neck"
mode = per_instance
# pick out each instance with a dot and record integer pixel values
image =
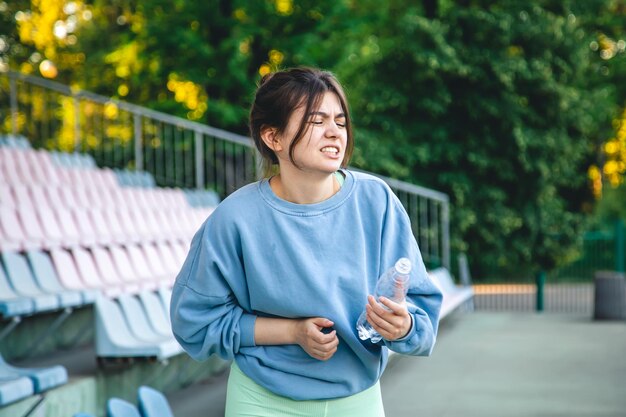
(304, 189)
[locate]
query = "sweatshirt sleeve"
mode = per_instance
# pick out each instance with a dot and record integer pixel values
(424, 297)
(205, 313)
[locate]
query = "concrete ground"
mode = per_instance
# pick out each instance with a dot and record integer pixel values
(490, 364)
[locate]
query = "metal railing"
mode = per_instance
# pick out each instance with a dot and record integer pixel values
(176, 151)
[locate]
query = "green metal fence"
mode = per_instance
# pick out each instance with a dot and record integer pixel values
(568, 289)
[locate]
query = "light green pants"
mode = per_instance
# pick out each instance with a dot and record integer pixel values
(246, 398)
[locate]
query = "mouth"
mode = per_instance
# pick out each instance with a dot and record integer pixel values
(330, 150)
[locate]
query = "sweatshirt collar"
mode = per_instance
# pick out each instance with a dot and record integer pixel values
(308, 209)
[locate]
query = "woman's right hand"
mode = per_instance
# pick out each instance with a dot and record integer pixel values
(308, 334)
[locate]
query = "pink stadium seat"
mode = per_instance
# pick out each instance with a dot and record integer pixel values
(53, 235)
(112, 222)
(146, 227)
(108, 271)
(54, 196)
(67, 196)
(45, 171)
(180, 250)
(95, 196)
(169, 260)
(155, 264)
(178, 229)
(140, 264)
(38, 195)
(69, 230)
(86, 229)
(12, 233)
(35, 237)
(6, 196)
(22, 196)
(82, 196)
(90, 274)
(104, 235)
(108, 178)
(6, 243)
(125, 266)
(9, 171)
(131, 228)
(77, 178)
(67, 271)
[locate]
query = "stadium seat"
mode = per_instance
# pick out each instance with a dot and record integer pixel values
(48, 281)
(14, 388)
(108, 271)
(70, 277)
(90, 274)
(8, 244)
(156, 313)
(43, 378)
(33, 231)
(7, 199)
(139, 325)
(126, 269)
(117, 407)
(170, 261)
(11, 304)
(158, 270)
(115, 340)
(153, 403)
(69, 230)
(22, 280)
(140, 264)
(165, 294)
(13, 232)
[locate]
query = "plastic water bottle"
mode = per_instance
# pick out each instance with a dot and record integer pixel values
(393, 284)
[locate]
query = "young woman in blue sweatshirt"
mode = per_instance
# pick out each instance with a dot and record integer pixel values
(278, 275)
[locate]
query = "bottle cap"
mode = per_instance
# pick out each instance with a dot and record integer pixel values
(403, 266)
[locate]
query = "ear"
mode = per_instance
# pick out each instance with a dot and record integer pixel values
(271, 138)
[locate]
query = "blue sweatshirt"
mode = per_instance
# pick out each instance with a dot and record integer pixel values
(260, 256)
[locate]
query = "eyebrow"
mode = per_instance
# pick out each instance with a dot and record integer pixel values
(324, 114)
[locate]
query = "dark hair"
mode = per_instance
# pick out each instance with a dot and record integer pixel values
(279, 94)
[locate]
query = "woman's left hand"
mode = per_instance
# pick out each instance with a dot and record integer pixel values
(392, 324)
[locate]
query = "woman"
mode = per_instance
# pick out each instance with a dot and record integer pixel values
(278, 275)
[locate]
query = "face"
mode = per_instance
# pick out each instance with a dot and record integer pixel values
(322, 147)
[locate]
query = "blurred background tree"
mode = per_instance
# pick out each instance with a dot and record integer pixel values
(513, 108)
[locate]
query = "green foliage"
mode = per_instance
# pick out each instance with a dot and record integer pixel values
(494, 106)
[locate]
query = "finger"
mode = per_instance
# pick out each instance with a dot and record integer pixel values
(323, 354)
(379, 323)
(379, 308)
(398, 308)
(322, 338)
(322, 322)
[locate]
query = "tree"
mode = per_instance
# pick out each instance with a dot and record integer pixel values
(492, 104)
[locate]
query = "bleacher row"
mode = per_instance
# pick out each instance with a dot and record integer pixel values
(74, 235)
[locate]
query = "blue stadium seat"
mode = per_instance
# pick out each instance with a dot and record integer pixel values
(153, 403)
(14, 141)
(157, 316)
(21, 278)
(14, 388)
(43, 378)
(48, 280)
(11, 304)
(83, 415)
(115, 340)
(116, 407)
(139, 324)
(165, 294)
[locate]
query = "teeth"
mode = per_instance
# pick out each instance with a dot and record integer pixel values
(330, 149)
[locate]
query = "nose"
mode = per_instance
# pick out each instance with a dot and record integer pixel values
(333, 130)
